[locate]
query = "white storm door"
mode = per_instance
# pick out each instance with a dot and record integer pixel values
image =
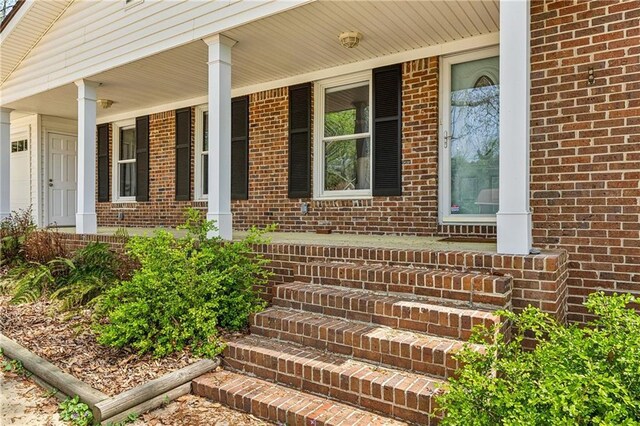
(62, 179)
(470, 116)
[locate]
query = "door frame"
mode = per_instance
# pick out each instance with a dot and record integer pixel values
(444, 159)
(45, 172)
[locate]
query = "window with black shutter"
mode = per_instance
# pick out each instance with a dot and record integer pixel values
(240, 148)
(183, 154)
(300, 141)
(103, 162)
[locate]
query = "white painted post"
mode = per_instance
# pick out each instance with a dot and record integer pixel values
(514, 216)
(86, 219)
(5, 163)
(219, 130)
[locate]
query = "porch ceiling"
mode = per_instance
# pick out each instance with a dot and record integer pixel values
(299, 41)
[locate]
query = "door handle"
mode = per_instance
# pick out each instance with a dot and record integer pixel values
(50, 182)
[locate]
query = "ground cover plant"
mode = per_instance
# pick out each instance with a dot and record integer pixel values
(186, 288)
(575, 375)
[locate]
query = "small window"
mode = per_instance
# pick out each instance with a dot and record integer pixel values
(202, 152)
(343, 158)
(19, 146)
(124, 161)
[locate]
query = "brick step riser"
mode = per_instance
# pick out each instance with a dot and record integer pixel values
(439, 322)
(436, 361)
(471, 289)
(289, 407)
(352, 388)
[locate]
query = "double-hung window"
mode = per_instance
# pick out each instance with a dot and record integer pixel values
(125, 161)
(202, 152)
(343, 131)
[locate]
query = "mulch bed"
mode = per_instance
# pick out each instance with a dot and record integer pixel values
(70, 345)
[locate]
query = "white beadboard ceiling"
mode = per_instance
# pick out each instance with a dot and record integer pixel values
(299, 41)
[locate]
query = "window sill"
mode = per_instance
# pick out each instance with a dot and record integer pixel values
(468, 220)
(125, 200)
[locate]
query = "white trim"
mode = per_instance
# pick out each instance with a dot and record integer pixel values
(115, 173)
(444, 161)
(198, 135)
(470, 43)
(153, 110)
(344, 81)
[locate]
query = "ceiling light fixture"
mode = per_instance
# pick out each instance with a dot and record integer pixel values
(350, 39)
(104, 103)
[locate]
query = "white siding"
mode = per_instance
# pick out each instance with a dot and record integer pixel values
(94, 36)
(23, 170)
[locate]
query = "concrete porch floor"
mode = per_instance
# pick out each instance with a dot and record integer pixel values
(340, 240)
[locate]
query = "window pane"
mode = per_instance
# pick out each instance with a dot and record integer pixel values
(205, 174)
(347, 165)
(205, 131)
(128, 143)
(475, 113)
(128, 180)
(346, 111)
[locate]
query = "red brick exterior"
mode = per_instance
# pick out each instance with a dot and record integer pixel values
(585, 143)
(585, 149)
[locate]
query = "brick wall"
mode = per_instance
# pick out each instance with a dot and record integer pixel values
(415, 212)
(585, 144)
(161, 209)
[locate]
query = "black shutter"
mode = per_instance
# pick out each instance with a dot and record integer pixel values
(183, 154)
(387, 131)
(142, 158)
(240, 148)
(300, 141)
(103, 162)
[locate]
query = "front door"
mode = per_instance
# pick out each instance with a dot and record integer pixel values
(470, 137)
(62, 179)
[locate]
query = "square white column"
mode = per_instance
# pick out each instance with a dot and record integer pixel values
(219, 133)
(86, 218)
(514, 216)
(5, 164)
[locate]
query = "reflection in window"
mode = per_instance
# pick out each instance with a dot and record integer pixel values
(346, 142)
(475, 114)
(127, 162)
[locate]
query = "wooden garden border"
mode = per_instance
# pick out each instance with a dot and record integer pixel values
(107, 409)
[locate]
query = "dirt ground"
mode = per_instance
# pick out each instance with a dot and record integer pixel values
(22, 402)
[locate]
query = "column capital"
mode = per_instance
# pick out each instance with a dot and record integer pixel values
(5, 115)
(5, 110)
(86, 83)
(219, 39)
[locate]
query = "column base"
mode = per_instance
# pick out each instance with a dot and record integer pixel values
(86, 223)
(224, 223)
(514, 233)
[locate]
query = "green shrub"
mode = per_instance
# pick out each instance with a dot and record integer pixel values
(13, 232)
(574, 376)
(184, 290)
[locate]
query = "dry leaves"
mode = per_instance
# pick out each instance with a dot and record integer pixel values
(70, 345)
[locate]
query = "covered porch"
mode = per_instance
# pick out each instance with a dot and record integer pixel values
(287, 50)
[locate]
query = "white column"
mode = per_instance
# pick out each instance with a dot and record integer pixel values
(5, 164)
(514, 215)
(86, 219)
(219, 130)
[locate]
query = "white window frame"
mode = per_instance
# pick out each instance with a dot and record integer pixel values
(199, 152)
(318, 147)
(444, 175)
(116, 127)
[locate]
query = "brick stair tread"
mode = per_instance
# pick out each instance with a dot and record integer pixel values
(281, 404)
(478, 288)
(397, 310)
(397, 348)
(399, 393)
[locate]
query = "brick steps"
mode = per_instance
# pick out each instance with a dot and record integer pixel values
(281, 404)
(389, 310)
(476, 289)
(399, 394)
(406, 350)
